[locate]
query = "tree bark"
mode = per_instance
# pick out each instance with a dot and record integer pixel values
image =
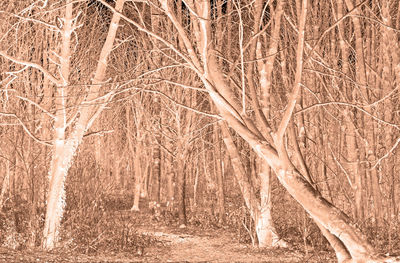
(6, 184)
(266, 232)
(64, 150)
(181, 185)
(62, 155)
(220, 176)
(139, 176)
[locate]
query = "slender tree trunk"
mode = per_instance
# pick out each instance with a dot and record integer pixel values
(266, 232)
(180, 183)
(218, 162)
(156, 175)
(220, 193)
(267, 235)
(138, 177)
(240, 174)
(260, 212)
(6, 184)
(137, 150)
(354, 170)
(33, 220)
(352, 149)
(170, 189)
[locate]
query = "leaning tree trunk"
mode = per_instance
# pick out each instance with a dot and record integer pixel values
(323, 212)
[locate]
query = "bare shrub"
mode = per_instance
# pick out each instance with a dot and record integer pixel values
(92, 222)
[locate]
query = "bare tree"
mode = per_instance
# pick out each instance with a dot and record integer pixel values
(65, 145)
(200, 54)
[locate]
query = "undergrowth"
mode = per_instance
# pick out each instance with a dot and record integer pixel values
(97, 221)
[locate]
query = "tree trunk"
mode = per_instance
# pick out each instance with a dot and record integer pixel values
(62, 156)
(266, 232)
(64, 150)
(156, 175)
(260, 211)
(5, 184)
(139, 176)
(220, 176)
(180, 184)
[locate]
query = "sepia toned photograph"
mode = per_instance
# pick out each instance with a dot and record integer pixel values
(199, 131)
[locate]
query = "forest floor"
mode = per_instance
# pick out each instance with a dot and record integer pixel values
(176, 245)
(172, 244)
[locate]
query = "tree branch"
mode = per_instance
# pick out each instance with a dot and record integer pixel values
(299, 70)
(33, 65)
(25, 128)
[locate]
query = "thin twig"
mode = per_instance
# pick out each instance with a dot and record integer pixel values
(387, 154)
(37, 105)
(25, 128)
(33, 65)
(299, 70)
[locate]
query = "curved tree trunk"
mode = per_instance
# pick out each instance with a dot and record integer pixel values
(323, 212)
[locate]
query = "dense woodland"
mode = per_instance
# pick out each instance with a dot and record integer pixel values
(278, 119)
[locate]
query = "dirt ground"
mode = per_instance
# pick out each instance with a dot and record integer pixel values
(170, 244)
(176, 245)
